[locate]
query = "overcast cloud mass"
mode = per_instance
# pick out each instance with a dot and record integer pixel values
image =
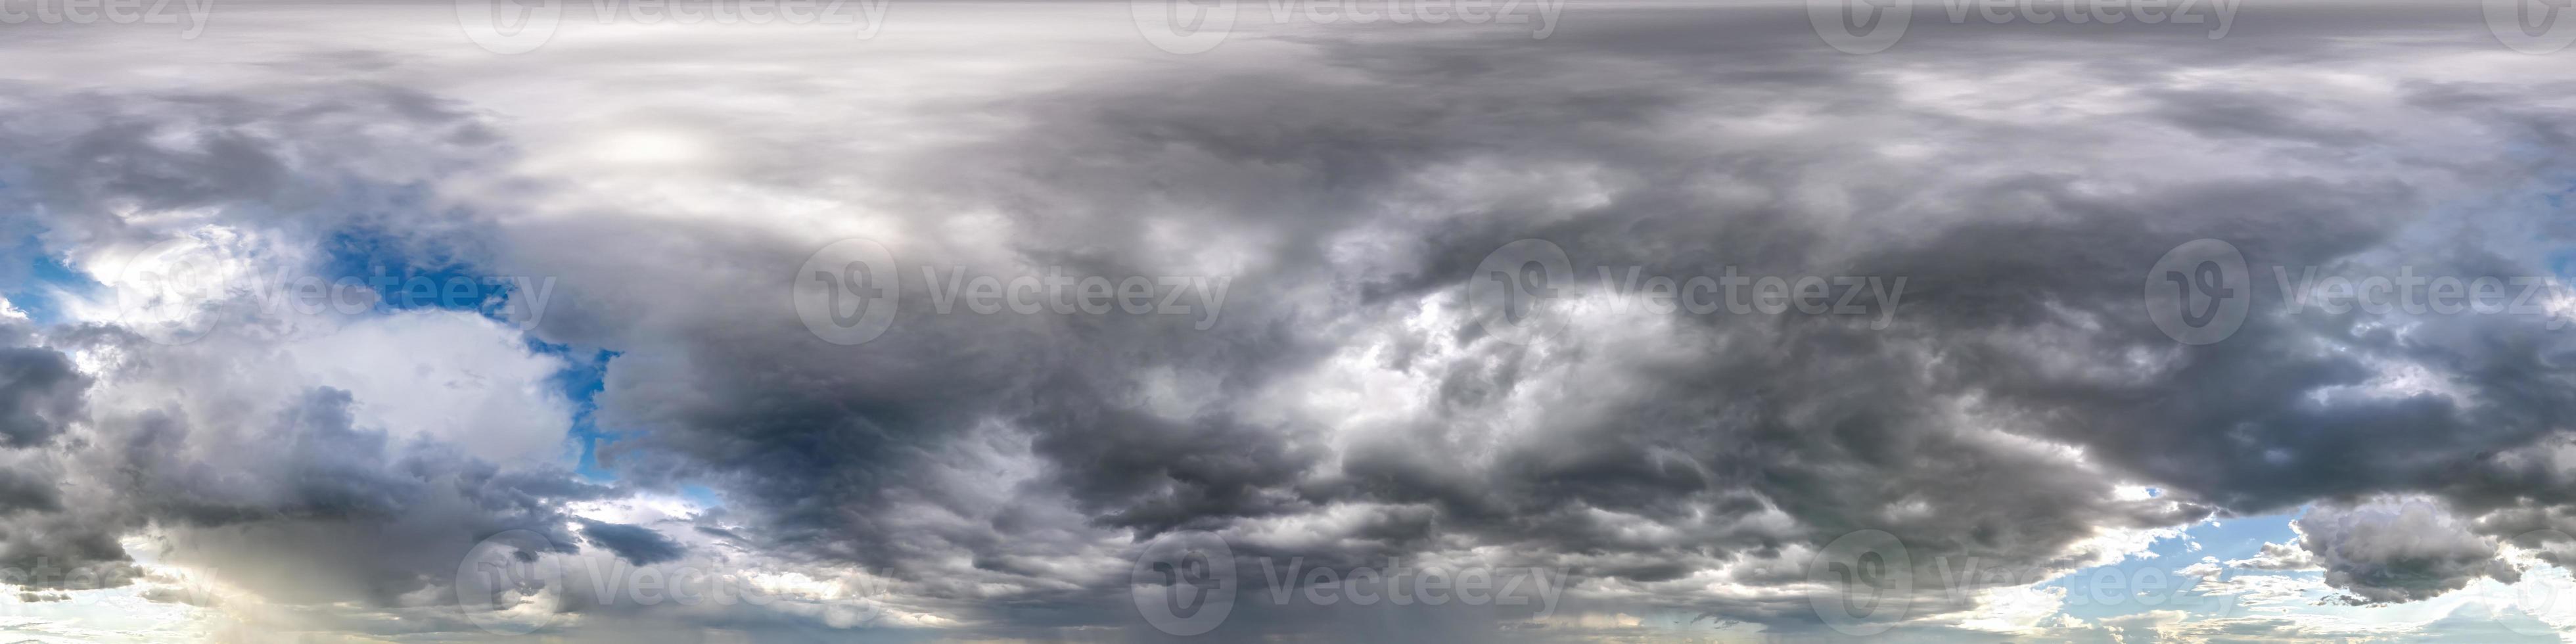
(737, 321)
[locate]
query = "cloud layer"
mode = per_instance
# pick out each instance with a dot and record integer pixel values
(1348, 402)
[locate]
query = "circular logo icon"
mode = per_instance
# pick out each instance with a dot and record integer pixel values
(2530, 26)
(845, 292)
(1868, 583)
(2541, 591)
(1860, 26)
(501, 575)
(162, 289)
(509, 26)
(1183, 26)
(1184, 582)
(2198, 292)
(1517, 288)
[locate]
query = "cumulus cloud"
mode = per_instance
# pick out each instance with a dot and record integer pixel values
(2279, 556)
(2397, 550)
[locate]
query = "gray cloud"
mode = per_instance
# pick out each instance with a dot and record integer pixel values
(1346, 405)
(40, 395)
(2397, 550)
(636, 544)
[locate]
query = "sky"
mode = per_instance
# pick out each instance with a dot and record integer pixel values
(753, 321)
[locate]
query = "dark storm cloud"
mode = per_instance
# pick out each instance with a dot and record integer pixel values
(303, 159)
(970, 458)
(24, 492)
(2022, 330)
(2234, 422)
(634, 543)
(40, 395)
